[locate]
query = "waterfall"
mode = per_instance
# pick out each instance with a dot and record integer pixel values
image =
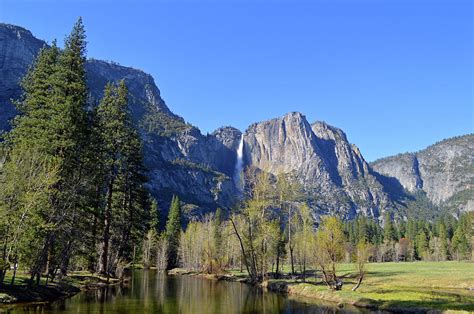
(238, 175)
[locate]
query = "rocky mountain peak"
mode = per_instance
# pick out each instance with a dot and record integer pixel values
(199, 168)
(280, 145)
(335, 176)
(444, 171)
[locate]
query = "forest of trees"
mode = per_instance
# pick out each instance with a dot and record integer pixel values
(270, 229)
(73, 196)
(72, 190)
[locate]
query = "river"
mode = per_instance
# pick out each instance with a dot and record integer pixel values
(155, 292)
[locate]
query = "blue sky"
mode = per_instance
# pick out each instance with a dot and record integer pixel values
(395, 75)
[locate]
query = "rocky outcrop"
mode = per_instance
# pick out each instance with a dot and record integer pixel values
(336, 178)
(199, 168)
(18, 47)
(444, 171)
(404, 168)
(180, 160)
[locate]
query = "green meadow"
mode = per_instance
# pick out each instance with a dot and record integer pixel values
(396, 286)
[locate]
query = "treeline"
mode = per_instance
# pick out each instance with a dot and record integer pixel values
(272, 228)
(72, 180)
(447, 238)
(73, 196)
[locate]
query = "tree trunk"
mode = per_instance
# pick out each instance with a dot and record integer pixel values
(304, 269)
(15, 266)
(277, 274)
(289, 242)
(361, 277)
(65, 256)
(103, 269)
(291, 258)
(244, 257)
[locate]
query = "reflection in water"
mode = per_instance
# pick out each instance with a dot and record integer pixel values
(154, 292)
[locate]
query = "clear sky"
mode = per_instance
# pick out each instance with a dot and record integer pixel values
(395, 75)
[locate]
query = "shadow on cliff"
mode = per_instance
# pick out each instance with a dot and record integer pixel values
(393, 187)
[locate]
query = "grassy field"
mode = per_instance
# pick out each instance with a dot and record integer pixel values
(416, 285)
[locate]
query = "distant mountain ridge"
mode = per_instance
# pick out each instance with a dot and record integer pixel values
(444, 171)
(199, 168)
(180, 160)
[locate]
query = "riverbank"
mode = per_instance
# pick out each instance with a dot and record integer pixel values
(74, 283)
(396, 287)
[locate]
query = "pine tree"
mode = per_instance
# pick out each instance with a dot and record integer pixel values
(172, 233)
(443, 237)
(155, 220)
(461, 237)
(389, 229)
(125, 197)
(51, 128)
(70, 101)
(421, 244)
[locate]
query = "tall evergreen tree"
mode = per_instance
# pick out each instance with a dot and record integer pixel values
(123, 171)
(172, 233)
(443, 238)
(461, 238)
(389, 229)
(51, 128)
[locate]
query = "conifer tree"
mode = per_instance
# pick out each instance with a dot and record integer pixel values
(110, 116)
(51, 128)
(70, 101)
(172, 233)
(461, 237)
(443, 242)
(389, 229)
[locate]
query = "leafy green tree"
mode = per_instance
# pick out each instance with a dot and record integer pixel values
(256, 228)
(217, 236)
(305, 236)
(361, 256)
(287, 190)
(330, 250)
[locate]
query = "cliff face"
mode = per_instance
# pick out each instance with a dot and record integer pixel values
(18, 47)
(335, 176)
(199, 168)
(179, 159)
(444, 171)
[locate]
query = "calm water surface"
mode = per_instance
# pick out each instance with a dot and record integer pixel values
(154, 292)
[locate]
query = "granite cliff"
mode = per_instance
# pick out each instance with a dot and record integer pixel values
(180, 160)
(199, 168)
(335, 176)
(444, 171)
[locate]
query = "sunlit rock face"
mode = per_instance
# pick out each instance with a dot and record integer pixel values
(179, 159)
(201, 168)
(444, 171)
(335, 177)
